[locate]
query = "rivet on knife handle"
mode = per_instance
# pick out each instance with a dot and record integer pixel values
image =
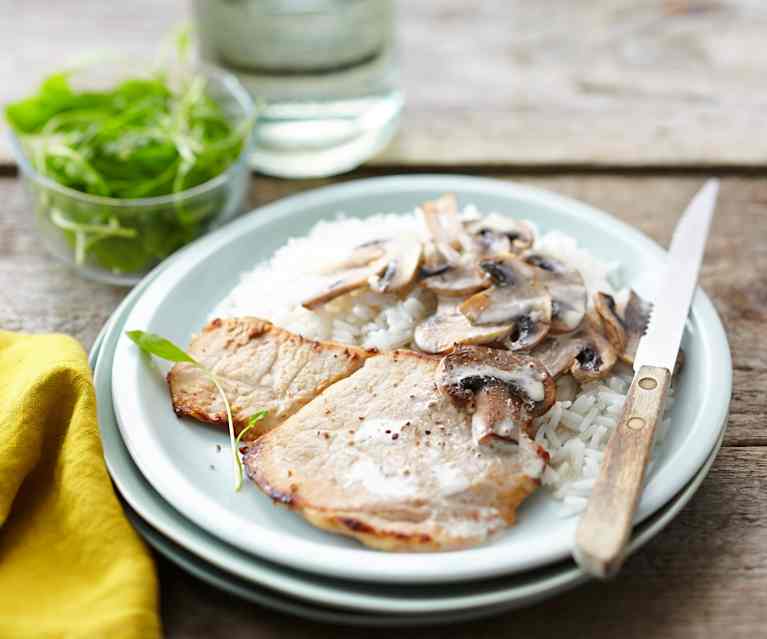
(604, 528)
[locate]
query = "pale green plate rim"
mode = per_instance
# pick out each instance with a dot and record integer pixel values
(181, 297)
(327, 591)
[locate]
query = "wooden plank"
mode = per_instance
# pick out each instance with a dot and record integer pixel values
(619, 83)
(704, 576)
(38, 293)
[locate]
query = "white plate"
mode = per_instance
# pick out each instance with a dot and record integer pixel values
(273, 601)
(262, 581)
(176, 457)
(549, 583)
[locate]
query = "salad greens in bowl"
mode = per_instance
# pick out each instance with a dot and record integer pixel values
(124, 167)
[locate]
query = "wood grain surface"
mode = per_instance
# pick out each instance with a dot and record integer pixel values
(625, 105)
(500, 83)
(705, 576)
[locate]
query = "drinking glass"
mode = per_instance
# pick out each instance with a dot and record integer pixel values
(323, 72)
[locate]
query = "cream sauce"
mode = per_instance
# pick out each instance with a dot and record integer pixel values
(528, 380)
(367, 472)
(379, 430)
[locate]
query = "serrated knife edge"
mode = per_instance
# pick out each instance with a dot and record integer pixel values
(660, 344)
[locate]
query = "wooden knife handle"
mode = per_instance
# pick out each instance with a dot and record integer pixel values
(605, 527)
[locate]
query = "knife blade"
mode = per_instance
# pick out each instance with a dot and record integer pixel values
(660, 344)
(604, 529)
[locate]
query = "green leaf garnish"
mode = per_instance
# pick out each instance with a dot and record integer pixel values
(158, 346)
(252, 421)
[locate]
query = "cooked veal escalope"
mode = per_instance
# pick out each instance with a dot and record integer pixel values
(423, 374)
(261, 367)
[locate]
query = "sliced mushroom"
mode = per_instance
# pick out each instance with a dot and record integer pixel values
(612, 323)
(347, 281)
(514, 298)
(389, 266)
(448, 327)
(567, 290)
(360, 256)
(433, 260)
(495, 234)
(446, 271)
(597, 358)
(504, 390)
(529, 331)
(495, 414)
(403, 258)
(456, 281)
(558, 353)
(445, 228)
(586, 353)
(432, 270)
(636, 315)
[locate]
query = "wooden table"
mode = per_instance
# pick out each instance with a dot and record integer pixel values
(625, 105)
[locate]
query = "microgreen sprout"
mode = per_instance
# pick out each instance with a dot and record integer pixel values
(158, 346)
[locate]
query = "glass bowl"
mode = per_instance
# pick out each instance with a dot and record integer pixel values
(117, 240)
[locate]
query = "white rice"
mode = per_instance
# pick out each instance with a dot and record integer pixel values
(574, 432)
(274, 289)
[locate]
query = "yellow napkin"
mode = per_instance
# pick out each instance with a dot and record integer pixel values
(70, 563)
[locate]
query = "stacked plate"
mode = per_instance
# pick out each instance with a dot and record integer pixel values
(175, 477)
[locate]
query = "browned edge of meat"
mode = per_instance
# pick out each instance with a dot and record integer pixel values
(261, 367)
(394, 541)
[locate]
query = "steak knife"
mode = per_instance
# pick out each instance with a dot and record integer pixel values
(605, 526)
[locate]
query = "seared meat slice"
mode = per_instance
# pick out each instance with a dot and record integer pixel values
(260, 366)
(383, 456)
